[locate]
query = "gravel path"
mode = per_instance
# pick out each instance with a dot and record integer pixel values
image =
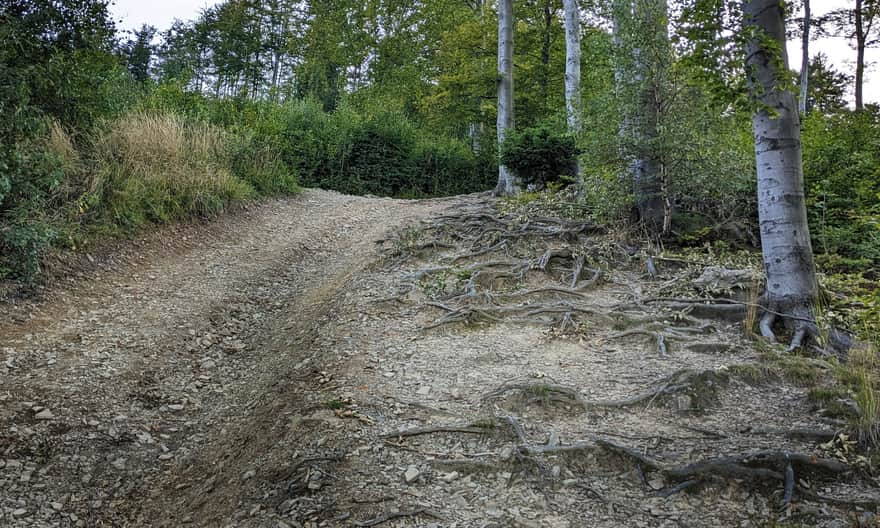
(124, 374)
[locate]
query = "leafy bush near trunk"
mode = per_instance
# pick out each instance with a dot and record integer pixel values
(540, 155)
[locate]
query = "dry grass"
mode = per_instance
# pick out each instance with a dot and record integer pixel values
(861, 374)
(159, 167)
(61, 145)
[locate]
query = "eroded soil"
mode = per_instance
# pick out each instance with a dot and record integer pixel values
(273, 371)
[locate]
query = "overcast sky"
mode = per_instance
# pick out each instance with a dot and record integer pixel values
(160, 13)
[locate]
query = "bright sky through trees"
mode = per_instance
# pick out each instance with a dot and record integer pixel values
(160, 13)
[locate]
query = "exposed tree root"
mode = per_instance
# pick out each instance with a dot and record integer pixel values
(474, 428)
(701, 384)
(398, 515)
(542, 314)
(762, 466)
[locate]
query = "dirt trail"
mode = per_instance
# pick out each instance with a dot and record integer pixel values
(261, 376)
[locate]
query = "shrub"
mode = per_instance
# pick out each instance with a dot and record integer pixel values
(540, 155)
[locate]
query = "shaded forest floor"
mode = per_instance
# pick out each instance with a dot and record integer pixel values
(328, 360)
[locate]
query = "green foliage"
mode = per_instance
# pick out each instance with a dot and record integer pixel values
(842, 177)
(540, 155)
(381, 153)
(826, 87)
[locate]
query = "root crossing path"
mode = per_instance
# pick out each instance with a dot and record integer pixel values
(329, 360)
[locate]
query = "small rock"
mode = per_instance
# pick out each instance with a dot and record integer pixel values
(56, 506)
(455, 393)
(175, 407)
(119, 464)
(424, 390)
(450, 477)
(45, 414)
(21, 512)
(411, 474)
(249, 474)
(506, 453)
(208, 364)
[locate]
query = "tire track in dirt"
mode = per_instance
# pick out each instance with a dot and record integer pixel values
(115, 383)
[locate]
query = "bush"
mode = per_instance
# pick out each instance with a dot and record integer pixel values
(540, 155)
(381, 153)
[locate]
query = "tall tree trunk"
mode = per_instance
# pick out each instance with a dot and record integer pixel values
(805, 59)
(573, 74)
(860, 54)
(785, 236)
(507, 182)
(642, 44)
(546, 41)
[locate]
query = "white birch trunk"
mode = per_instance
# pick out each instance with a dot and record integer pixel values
(785, 236)
(573, 73)
(507, 182)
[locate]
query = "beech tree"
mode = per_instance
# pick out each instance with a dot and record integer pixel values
(507, 183)
(573, 72)
(782, 214)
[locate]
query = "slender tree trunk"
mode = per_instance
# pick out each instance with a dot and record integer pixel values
(805, 59)
(785, 236)
(544, 80)
(642, 45)
(860, 55)
(507, 182)
(573, 74)
(476, 128)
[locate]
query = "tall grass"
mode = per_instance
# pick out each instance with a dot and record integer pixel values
(156, 167)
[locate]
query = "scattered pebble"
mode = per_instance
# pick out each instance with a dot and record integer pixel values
(45, 414)
(411, 474)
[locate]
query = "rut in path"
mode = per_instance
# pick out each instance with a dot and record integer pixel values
(285, 369)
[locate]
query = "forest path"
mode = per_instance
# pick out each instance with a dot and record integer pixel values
(275, 369)
(145, 358)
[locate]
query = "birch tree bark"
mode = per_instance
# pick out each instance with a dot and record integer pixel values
(573, 74)
(507, 182)
(785, 236)
(805, 59)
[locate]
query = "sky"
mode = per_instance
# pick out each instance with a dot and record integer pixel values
(131, 14)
